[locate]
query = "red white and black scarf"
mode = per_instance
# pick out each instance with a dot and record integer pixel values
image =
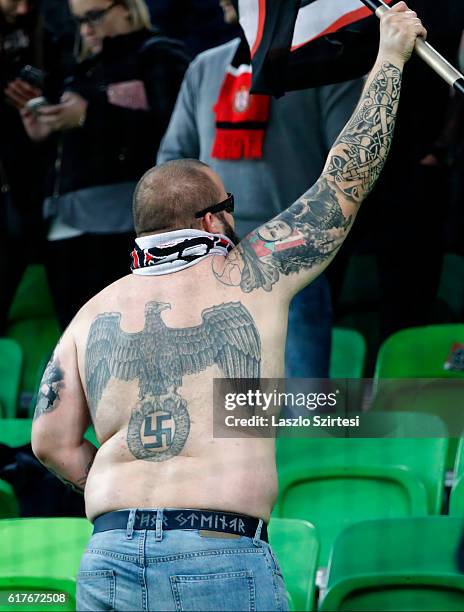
(174, 251)
(241, 117)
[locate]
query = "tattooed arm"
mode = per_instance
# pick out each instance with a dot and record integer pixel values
(61, 419)
(294, 248)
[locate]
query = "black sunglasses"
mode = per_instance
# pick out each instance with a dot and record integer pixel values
(93, 17)
(227, 205)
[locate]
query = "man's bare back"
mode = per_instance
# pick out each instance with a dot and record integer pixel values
(140, 358)
(132, 326)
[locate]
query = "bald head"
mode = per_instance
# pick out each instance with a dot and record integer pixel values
(168, 196)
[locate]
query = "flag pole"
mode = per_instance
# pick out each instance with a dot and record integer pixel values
(426, 52)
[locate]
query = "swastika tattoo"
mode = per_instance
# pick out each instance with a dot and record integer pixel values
(159, 357)
(312, 230)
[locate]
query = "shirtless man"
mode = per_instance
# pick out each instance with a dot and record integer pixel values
(138, 361)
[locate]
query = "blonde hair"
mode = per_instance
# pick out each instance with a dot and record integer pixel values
(139, 13)
(139, 17)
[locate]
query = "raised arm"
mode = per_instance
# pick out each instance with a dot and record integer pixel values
(62, 417)
(292, 249)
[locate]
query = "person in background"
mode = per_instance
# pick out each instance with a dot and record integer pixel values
(180, 505)
(199, 24)
(112, 114)
(20, 169)
(36, 51)
(264, 168)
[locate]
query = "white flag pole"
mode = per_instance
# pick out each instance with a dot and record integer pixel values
(426, 52)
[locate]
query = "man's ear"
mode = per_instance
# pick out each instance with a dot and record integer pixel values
(210, 223)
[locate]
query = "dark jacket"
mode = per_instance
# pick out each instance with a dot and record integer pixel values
(118, 143)
(17, 48)
(22, 163)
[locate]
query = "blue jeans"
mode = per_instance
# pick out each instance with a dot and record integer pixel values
(126, 569)
(307, 354)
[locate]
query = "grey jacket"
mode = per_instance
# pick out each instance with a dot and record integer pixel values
(302, 127)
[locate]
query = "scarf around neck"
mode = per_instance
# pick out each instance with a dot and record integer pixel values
(170, 252)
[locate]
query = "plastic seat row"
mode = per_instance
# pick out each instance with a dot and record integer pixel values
(384, 565)
(41, 555)
(418, 352)
(417, 370)
(396, 565)
(23, 359)
(33, 326)
(11, 363)
(334, 482)
(44, 554)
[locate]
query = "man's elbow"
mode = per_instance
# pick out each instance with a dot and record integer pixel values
(41, 446)
(45, 443)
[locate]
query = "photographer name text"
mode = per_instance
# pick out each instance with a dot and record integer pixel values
(300, 421)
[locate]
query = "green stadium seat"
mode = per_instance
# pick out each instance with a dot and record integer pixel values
(42, 547)
(442, 397)
(32, 322)
(419, 352)
(348, 354)
(333, 482)
(37, 338)
(396, 565)
(17, 432)
(33, 283)
(11, 361)
(296, 546)
(456, 507)
(418, 355)
(8, 502)
(13, 432)
(25, 587)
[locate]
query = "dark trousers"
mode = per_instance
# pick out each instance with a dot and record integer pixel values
(79, 268)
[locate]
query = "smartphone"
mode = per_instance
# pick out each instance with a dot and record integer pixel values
(36, 104)
(33, 76)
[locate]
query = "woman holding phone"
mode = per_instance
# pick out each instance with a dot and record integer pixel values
(107, 125)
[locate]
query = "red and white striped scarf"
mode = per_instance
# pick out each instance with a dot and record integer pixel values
(241, 117)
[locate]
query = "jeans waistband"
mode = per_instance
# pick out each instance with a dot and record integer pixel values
(183, 518)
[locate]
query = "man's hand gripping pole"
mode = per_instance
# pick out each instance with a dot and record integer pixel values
(425, 51)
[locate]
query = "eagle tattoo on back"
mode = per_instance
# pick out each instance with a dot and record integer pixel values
(159, 357)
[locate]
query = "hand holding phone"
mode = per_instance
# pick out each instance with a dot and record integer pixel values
(35, 104)
(19, 93)
(69, 114)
